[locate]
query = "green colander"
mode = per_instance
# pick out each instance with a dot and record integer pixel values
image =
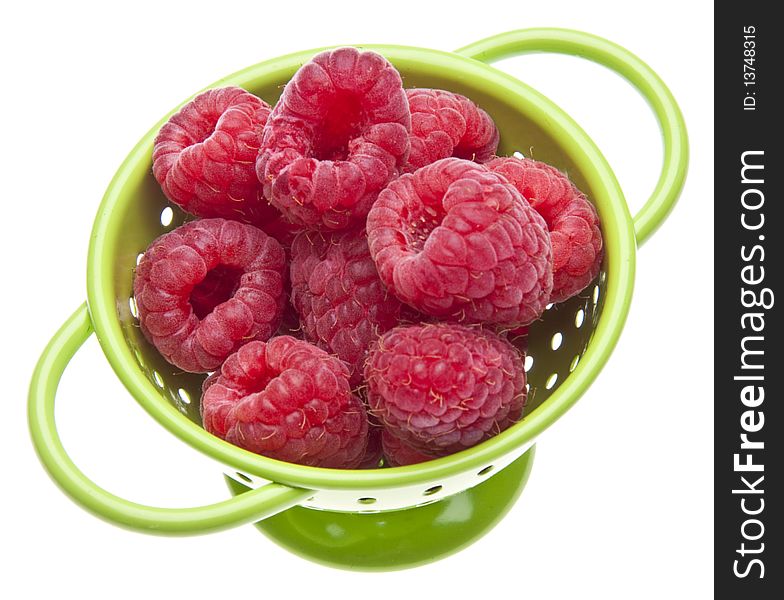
(384, 518)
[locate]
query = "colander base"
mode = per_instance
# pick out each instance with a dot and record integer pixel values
(400, 539)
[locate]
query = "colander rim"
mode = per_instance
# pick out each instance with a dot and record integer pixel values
(620, 255)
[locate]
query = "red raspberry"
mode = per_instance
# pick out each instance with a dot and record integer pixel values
(342, 304)
(443, 387)
(398, 453)
(206, 288)
(458, 242)
(338, 135)
(445, 124)
(204, 158)
(288, 400)
(572, 220)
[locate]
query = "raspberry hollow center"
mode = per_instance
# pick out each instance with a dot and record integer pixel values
(217, 287)
(260, 383)
(343, 121)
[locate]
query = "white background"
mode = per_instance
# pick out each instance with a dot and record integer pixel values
(619, 504)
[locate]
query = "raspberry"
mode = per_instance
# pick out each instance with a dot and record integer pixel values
(572, 220)
(458, 242)
(342, 304)
(445, 124)
(204, 157)
(398, 453)
(338, 135)
(443, 387)
(288, 400)
(578, 249)
(206, 288)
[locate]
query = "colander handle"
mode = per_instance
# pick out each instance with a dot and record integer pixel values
(249, 507)
(636, 72)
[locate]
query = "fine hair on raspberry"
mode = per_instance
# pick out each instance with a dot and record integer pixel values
(445, 124)
(204, 158)
(456, 241)
(342, 303)
(206, 288)
(399, 454)
(288, 400)
(336, 137)
(441, 388)
(572, 221)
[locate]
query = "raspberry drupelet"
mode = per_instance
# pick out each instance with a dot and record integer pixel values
(399, 454)
(289, 400)
(572, 220)
(336, 290)
(445, 124)
(207, 287)
(441, 388)
(204, 158)
(337, 136)
(458, 242)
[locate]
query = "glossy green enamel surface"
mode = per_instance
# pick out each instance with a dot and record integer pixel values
(247, 508)
(397, 539)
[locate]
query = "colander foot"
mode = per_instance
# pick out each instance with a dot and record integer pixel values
(400, 539)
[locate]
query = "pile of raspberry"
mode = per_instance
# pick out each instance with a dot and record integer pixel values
(355, 257)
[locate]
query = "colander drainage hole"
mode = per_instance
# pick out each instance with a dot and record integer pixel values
(529, 362)
(133, 308)
(158, 379)
(244, 477)
(184, 395)
(433, 490)
(596, 294)
(366, 500)
(575, 360)
(579, 318)
(485, 471)
(139, 258)
(167, 216)
(518, 154)
(551, 381)
(557, 340)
